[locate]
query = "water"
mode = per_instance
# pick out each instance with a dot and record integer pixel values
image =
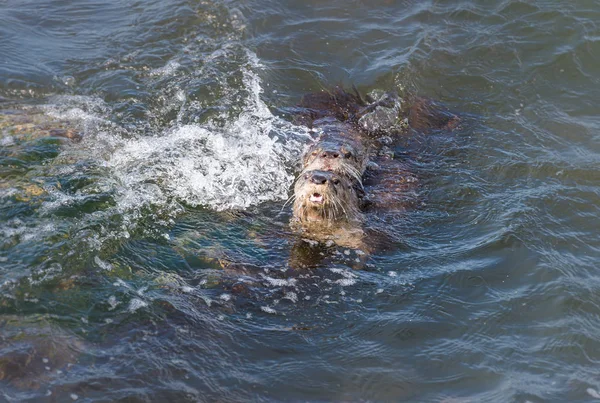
(152, 260)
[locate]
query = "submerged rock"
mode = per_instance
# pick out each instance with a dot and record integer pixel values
(30, 137)
(33, 352)
(30, 123)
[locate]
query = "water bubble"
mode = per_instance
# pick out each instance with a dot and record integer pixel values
(69, 80)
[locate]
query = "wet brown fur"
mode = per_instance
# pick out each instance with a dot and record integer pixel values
(425, 114)
(340, 149)
(340, 199)
(343, 150)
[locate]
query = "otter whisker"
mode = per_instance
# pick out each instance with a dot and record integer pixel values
(343, 209)
(353, 172)
(335, 204)
(300, 177)
(290, 199)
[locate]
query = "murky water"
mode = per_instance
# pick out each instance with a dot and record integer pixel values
(152, 260)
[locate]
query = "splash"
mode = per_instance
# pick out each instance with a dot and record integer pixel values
(134, 178)
(243, 163)
(224, 163)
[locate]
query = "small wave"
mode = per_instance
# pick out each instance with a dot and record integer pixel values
(136, 304)
(268, 309)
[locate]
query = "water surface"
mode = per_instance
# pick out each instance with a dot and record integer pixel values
(152, 259)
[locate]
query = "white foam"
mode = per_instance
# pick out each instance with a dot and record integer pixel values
(26, 232)
(155, 171)
(278, 282)
(345, 282)
(6, 140)
(102, 264)
(112, 302)
(245, 162)
(233, 169)
(167, 70)
(136, 304)
(268, 309)
(292, 296)
(593, 393)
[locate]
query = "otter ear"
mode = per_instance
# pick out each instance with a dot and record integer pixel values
(307, 155)
(365, 202)
(360, 192)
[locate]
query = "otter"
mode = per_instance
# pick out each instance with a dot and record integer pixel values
(339, 148)
(325, 197)
(330, 197)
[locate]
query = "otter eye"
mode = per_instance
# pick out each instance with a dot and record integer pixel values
(347, 153)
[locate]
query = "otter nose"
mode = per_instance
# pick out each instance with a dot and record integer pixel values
(330, 154)
(318, 179)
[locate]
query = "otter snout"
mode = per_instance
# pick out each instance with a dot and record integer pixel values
(317, 178)
(330, 154)
(324, 196)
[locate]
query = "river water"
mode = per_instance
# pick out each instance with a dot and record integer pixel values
(151, 261)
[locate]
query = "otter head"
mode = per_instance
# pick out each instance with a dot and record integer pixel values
(325, 197)
(341, 158)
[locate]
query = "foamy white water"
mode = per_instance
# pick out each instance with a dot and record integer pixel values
(245, 161)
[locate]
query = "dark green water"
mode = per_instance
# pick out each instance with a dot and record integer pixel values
(112, 249)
